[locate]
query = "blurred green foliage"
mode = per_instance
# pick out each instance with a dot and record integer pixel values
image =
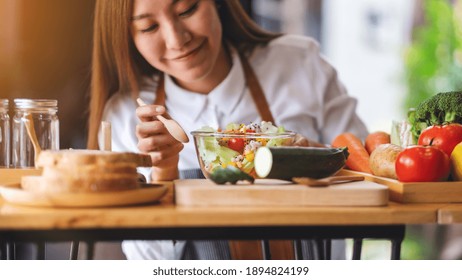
(433, 65)
(415, 247)
(434, 59)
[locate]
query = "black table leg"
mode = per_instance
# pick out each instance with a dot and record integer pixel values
(298, 249)
(90, 250)
(2, 250)
(396, 249)
(327, 248)
(41, 255)
(74, 252)
(357, 248)
(320, 249)
(10, 251)
(265, 247)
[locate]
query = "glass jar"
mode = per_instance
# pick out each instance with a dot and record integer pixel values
(5, 152)
(46, 125)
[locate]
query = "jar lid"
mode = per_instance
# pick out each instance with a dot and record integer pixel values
(36, 103)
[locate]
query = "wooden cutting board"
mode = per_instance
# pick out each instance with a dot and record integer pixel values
(205, 193)
(417, 192)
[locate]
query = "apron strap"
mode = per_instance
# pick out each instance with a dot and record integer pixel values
(256, 91)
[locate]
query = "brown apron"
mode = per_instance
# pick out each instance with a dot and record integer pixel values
(248, 250)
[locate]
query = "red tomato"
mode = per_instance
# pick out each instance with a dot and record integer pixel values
(445, 137)
(422, 164)
(236, 144)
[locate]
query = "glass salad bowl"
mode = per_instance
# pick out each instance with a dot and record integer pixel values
(236, 145)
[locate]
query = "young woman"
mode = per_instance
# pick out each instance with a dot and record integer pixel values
(205, 63)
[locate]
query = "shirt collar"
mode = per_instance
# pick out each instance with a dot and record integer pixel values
(227, 94)
(183, 100)
(224, 97)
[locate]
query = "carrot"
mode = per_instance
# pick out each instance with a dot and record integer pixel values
(375, 139)
(358, 159)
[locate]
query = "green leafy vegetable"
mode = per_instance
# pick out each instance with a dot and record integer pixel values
(445, 107)
(211, 151)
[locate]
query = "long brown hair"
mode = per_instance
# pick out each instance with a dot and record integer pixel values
(117, 65)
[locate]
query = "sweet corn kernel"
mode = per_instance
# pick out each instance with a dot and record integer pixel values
(262, 141)
(250, 156)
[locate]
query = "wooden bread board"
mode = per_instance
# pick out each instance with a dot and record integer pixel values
(147, 193)
(275, 193)
(418, 192)
(13, 175)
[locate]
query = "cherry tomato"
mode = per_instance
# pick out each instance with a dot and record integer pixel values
(445, 137)
(236, 144)
(422, 164)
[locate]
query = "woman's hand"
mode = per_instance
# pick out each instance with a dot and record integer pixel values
(301, 141)
(154, 139)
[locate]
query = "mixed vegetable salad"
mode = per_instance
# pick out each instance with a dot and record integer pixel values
(237, 143)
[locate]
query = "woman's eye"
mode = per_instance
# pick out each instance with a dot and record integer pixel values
(150, 28)
(190, 11)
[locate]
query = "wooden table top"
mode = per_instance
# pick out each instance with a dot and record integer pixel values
(166, 214)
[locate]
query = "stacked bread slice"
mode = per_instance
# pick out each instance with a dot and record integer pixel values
(77, 171)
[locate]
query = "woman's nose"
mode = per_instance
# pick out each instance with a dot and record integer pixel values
(176, 36)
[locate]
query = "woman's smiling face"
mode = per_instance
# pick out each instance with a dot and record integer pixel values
(182, 38)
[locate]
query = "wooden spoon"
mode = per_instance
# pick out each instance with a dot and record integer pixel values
(172, 126)
(29, 123)
(326, 181)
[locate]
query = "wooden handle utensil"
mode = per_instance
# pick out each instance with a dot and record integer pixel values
(173, 127)
(311, 182)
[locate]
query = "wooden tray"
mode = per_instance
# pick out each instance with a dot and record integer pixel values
(431, 192)
(274, 193)
(13, 175)
(14, 194)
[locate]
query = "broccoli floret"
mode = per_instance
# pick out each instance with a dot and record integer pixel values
(427, 111)
(445, 107)
(450, 107)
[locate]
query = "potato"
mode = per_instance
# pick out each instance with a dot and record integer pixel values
(382, 160)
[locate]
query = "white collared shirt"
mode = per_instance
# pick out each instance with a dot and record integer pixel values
(301, 87)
